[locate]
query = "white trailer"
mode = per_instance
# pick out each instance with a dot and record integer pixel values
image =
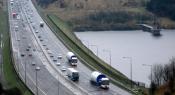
(72, 58)
(99, 79)
(73, 74)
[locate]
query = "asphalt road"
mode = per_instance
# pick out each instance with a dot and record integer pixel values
(42, 43)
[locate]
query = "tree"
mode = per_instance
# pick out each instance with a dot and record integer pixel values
(162, 8)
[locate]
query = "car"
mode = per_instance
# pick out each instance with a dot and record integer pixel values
(39, 36)
(18, 39)
(47, 48)
(41, 40)
(59, 56)
(51, 56)
(34, 49)
(23, 37)
(63, 68)
(44, 45)
(49, 52)
(30, 54)
(36, 31)
(27, 49)
(22, 55)
(29, 46)
(55, 60)
(33, 63)
(58, 63)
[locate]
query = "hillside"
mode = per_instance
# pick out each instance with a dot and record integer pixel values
(103, 14)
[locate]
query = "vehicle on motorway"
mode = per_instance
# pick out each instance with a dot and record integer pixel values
(30, 54)
(72, 58)
(11, 2)
(99, 79)
(59, 56)
(41, 24)
(73, 74)
(63, 68)
(33, 63)
(14, 15)
(16, 28)
(58, 63)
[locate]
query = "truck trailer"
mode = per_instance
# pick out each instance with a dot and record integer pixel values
(73, 74)
(99, 79)
(72, 58)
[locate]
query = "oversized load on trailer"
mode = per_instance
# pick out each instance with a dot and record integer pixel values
(99, 79)
(72, 58)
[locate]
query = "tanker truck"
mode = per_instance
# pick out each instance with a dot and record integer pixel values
(73, 74)
(99, 79)
(72, 58)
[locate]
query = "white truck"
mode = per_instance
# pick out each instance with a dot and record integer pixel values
(99, 79)
(72, 58)
(73, 74)
(41, 24)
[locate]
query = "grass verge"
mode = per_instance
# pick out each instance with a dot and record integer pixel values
(12, 80)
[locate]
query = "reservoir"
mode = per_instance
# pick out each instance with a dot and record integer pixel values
(131, 47)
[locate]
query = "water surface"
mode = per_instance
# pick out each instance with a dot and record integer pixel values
(141, 47)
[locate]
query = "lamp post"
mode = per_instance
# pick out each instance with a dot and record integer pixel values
(96, 48)
(151, 66)
(25, 71)
(58, 84)
(109, 56)
(18, 54)
(37, 69)
(130, 59)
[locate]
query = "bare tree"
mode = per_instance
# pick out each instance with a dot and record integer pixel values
(157, 74)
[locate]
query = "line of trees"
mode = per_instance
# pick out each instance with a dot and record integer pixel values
(164, 75)
(162, 7)
(45, 3)
(12, 91)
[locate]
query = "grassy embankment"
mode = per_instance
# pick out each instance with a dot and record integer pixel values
(11, 78)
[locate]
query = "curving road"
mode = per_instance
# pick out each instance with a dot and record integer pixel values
(34, 46)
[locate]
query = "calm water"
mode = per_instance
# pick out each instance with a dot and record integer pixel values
(142, 47)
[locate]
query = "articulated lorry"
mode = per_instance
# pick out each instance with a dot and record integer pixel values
(99, 79)
(73, 74)
(72, 58)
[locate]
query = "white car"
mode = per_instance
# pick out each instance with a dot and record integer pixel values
(33, 63)
(63, 68)
(58, 63)
(59, 56)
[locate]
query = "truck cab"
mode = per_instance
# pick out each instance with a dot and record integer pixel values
(73, 74)
(104, 83)
(72, 58)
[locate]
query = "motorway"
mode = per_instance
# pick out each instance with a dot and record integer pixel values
(34, 46)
